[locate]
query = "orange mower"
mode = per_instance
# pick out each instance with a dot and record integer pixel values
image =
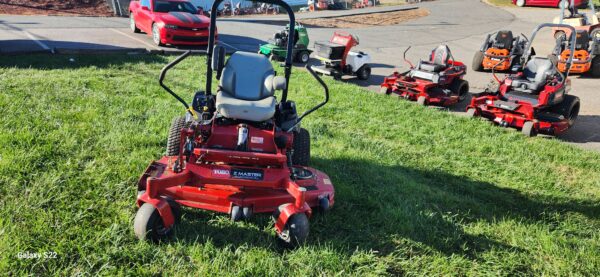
(501, 51)
(586, 58)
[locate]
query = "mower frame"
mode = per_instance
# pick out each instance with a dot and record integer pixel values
(427, 92)
(532, 116)
(238, 182)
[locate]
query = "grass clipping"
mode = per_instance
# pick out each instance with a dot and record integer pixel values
(367, 20)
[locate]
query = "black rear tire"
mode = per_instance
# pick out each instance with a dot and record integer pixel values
(301, 148)
(461, 88)
(174, 139)
(478, 61)
(569, 108)
(364, 72)
(595, 70)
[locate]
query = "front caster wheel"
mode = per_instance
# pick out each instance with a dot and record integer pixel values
(295, 231)
(471, 112)
(529, 129)
(148, 224)
(422, 100)
(324, 205)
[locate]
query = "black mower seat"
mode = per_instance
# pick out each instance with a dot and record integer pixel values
(437, 63)
(535, 74)
(503, 40)
(582, 40)
(247, 86)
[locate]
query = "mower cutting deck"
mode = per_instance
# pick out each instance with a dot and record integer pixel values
(238, 152)
(438, 81)
(535, 99)
(500, 51)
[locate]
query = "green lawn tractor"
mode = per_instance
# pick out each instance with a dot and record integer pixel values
(276, 49)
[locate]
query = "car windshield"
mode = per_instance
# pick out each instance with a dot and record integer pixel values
(174, 6)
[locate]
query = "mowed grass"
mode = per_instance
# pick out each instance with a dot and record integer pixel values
(418, 191)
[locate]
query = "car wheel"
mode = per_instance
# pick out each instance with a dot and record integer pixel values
(563, 3)
(132, 25)
(520, 3)
(156, 35)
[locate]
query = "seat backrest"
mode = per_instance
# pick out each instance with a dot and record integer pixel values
(537, 69)
(504, 40)
(440, 55)
(248, 76)
(582, 40)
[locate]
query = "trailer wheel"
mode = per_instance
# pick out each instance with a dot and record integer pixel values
(174, 139)
(461, 88)
(478, 61)
(529, 129)
(148, 224)
(364, 72)
(595, 70)
(301, 148)
(295, 231)
(422, 100)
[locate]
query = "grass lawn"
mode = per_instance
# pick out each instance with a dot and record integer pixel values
(419, 191)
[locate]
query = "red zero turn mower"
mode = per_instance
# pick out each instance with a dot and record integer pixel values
(237, 152)
(438, 81)
(339, 60)
(502, 51)
(534, 99)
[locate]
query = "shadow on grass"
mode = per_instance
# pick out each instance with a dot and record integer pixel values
(392, 208)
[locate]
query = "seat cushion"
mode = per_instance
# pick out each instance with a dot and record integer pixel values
(248, 76)
(431, 67)
(535, 74)
(257, 111)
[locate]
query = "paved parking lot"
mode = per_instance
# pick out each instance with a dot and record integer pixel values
(462, 24)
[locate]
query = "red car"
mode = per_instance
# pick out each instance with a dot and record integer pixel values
(546, 3)
(175, 22)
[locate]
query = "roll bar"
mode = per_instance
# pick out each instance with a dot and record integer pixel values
(527, 51)
(211, 43)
